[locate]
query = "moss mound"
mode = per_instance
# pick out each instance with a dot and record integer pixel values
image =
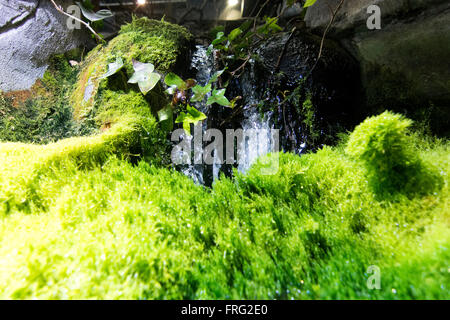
(120, 231)
(79, 220)
(384, 145)
(149, 41)
(119, 119)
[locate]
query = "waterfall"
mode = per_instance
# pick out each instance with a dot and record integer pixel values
(257, 129)
(254, 121)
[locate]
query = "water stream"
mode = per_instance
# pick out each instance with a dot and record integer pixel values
(258, 137)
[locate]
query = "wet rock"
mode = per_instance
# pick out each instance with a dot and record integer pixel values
(308, 100)
(404, 65)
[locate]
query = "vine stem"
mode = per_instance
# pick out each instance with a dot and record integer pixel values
(242, 65)
(60, 9)
(330, 23)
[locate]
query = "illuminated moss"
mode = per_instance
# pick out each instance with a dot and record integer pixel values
(149, 41)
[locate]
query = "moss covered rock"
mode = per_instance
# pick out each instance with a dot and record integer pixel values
(149, 41)
(122, 118)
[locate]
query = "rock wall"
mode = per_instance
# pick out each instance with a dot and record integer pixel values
(405, 64)
(30, 32)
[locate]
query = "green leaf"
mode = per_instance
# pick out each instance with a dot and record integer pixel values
(148, 83)
(172, 80)
(271, 25)
(187, 128)
(200, 92)
(195, 115)
(234, 34)
(218, 96)
(220, 38)
(144, 76)
(216, 75)
(95, 16)
(113, 68)
(165, 113)
(141, 71)
(192, 116)
(165, 116)
(182, 117)
(246, 25)
(210, 50)
(309, 3)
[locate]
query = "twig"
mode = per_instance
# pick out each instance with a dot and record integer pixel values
(60, 9)
(333, 17)
(242, 66)
(283, 52)
(258, 14)
(247, 59)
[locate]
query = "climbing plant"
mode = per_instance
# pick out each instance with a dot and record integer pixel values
(233, 51)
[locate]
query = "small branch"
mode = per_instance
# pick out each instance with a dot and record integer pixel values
(258, 14)
(241, 67)
(333, 17)
(283, 52)
(60, 9)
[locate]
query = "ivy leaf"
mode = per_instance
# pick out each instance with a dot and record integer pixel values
(172, 80)
(165, 116)
(95, 16)
(270, 25)
(141, 71)
(216, 75)
(218, 96)
(210, 50)
(144, 76)
(148, 83)
(309, 3)
(200, 92)
(192, 116)
(113, 68)
(220, 38)
(234, 34)
(195, 115)
(187, 128)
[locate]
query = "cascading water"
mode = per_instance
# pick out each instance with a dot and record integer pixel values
(204, 66)
(258, 128)
(254, 121)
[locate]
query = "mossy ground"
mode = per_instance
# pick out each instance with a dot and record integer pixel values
(117, 230)
(101, 217)
(42, 114)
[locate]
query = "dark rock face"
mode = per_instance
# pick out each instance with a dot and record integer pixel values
(309, 102)
(404, 65)
(30, 32)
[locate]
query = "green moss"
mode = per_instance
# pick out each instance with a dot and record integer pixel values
(383, 145)
(45, 116)
(120, 231)
(145, 40)
(118, 118)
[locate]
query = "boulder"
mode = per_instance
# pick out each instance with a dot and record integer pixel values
(30, 33)
(309, 102)
(404, 65)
